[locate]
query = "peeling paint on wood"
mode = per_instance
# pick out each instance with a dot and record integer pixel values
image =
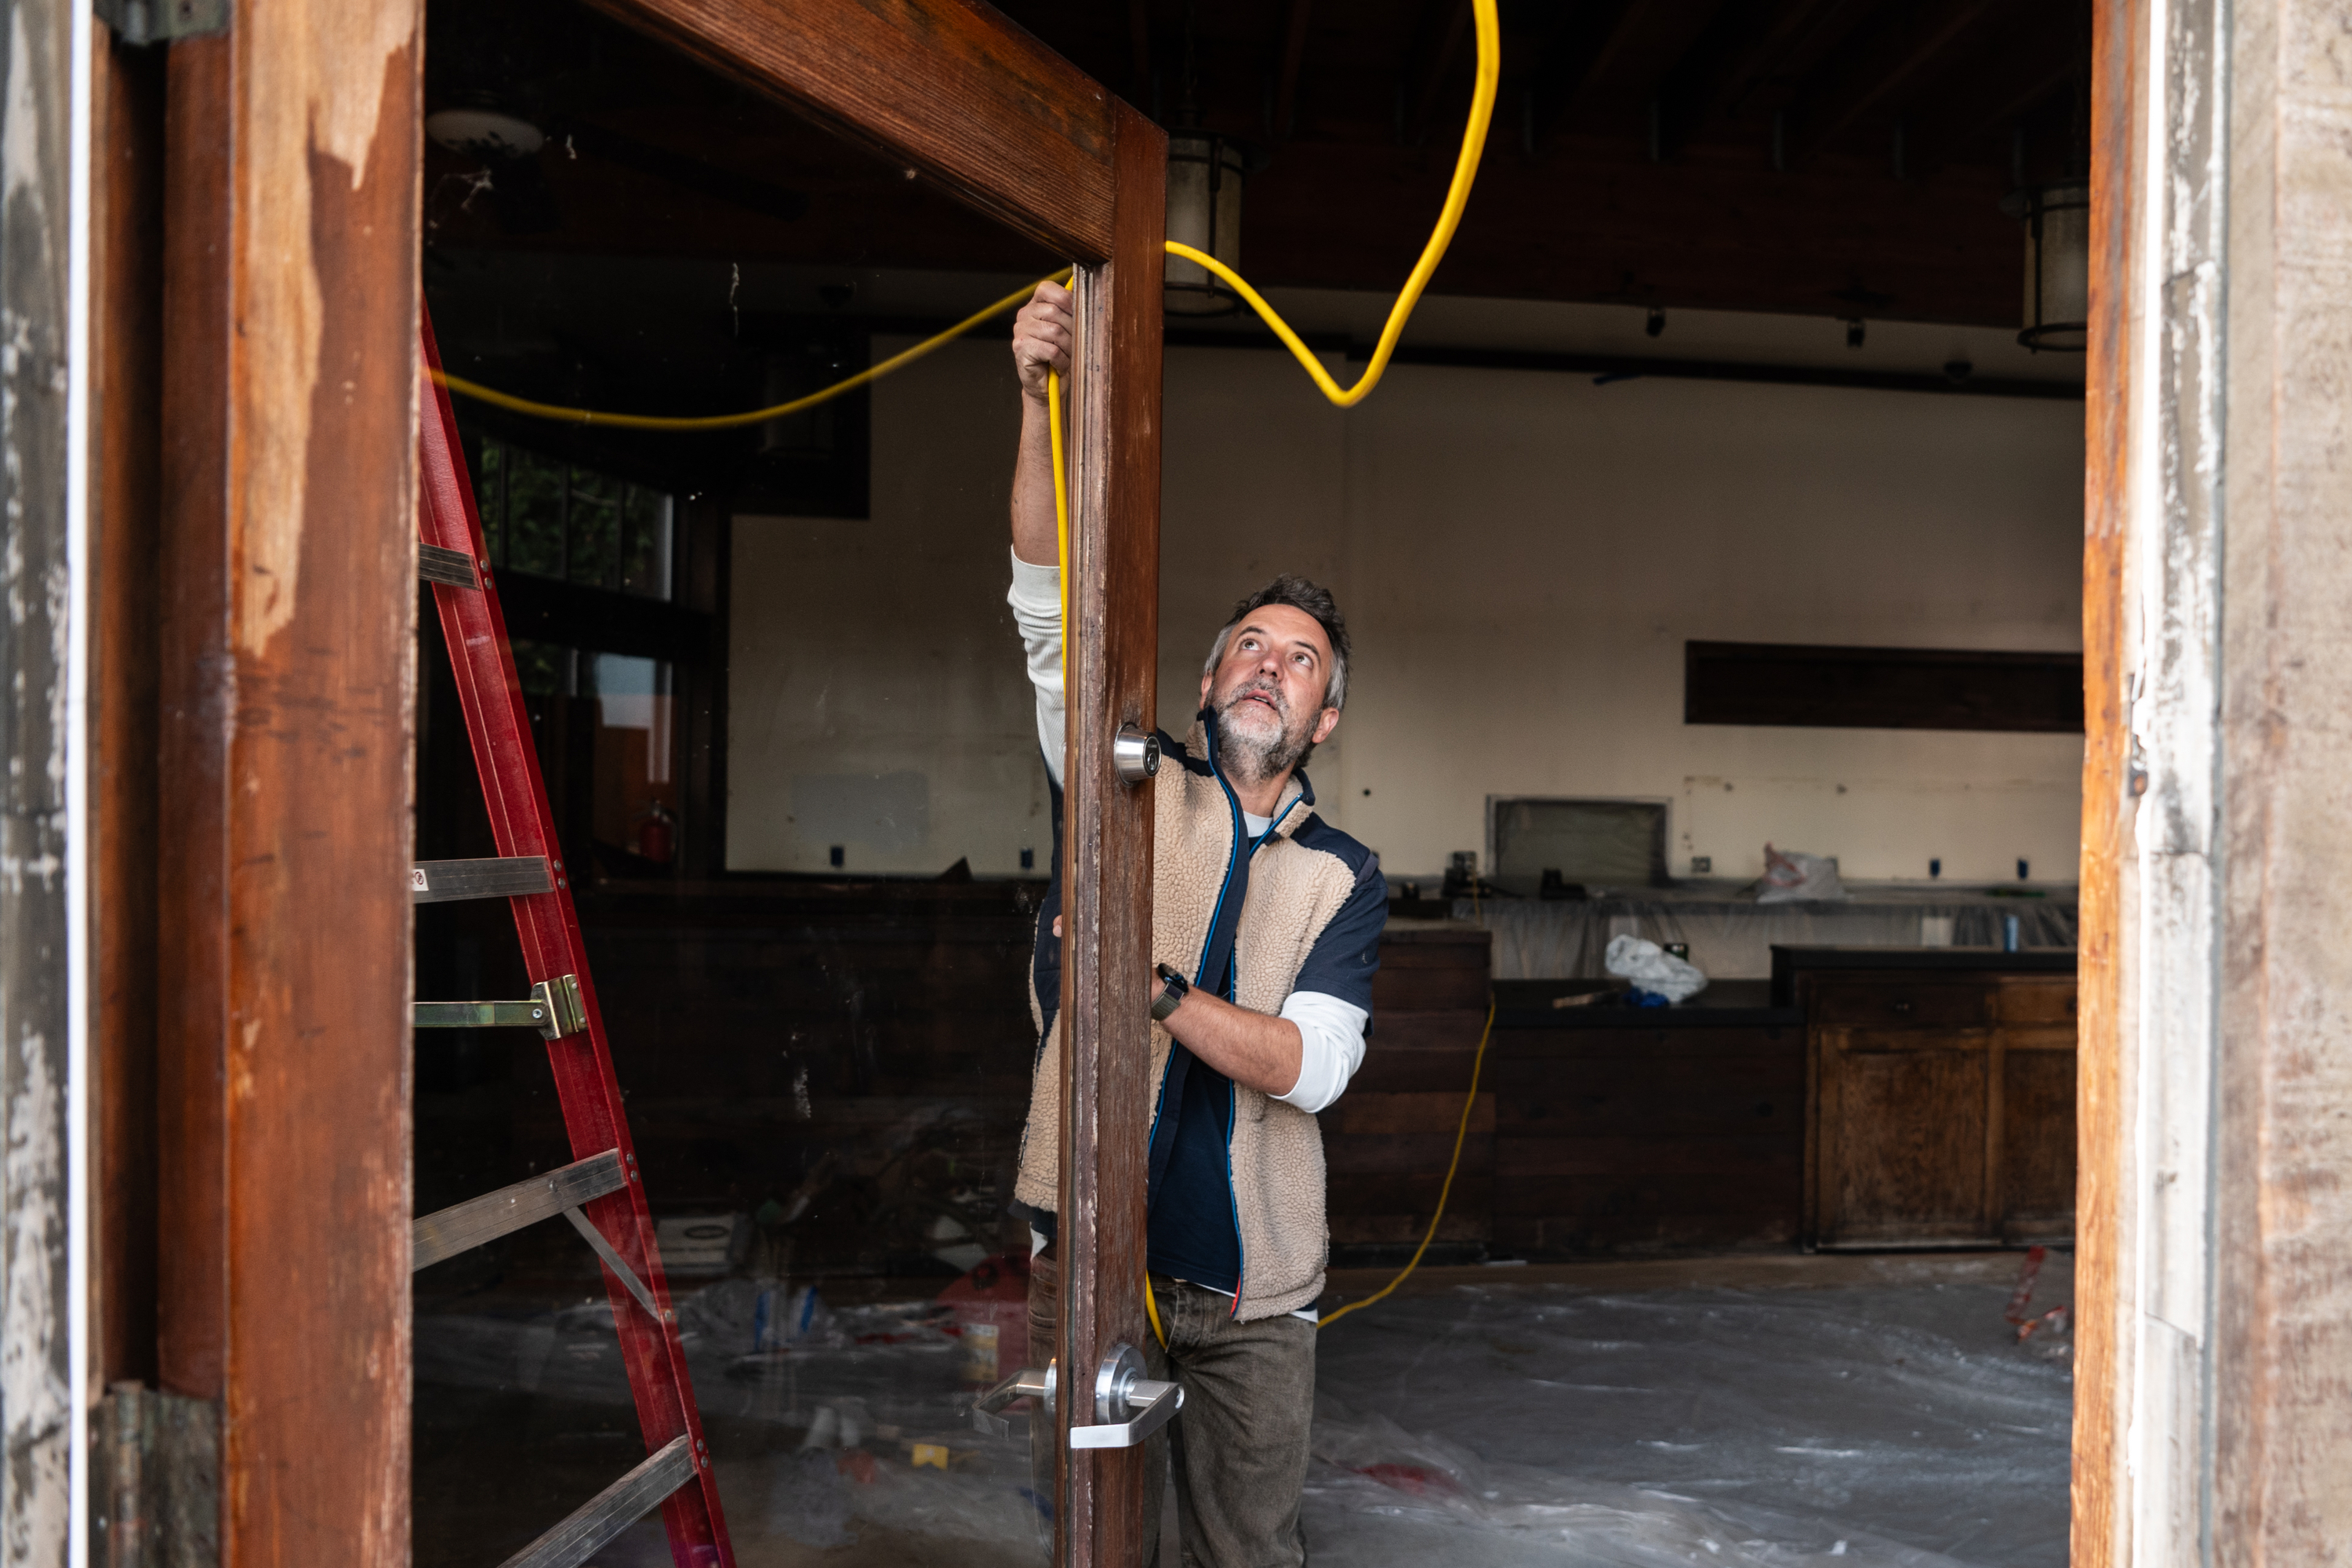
(2220, 1342)
(291, 379)
(34, 1373)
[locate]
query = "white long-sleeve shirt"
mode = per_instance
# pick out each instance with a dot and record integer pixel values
(1330, 1030)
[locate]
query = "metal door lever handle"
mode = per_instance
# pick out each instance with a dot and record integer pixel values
(1129, 1405)
(1027, 1384)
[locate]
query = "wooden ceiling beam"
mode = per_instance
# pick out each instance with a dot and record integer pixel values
(1589, 39)
(1434, 44)
(1004, 122)
(1797, 26)
(1139, 47)
(1877, 70)
(1987, 109)
(1696, 86)
(1287, 62)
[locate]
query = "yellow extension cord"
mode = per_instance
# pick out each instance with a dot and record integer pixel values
(1449, 218)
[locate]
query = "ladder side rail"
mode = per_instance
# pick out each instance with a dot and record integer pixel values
(498, 725)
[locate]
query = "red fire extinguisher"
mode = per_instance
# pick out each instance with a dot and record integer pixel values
(654, 839)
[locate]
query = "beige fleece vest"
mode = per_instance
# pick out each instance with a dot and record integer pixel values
(1277, 1148)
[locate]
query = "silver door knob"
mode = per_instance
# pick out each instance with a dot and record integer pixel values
(1135, 754)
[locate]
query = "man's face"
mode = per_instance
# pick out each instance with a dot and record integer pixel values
(1267, 691)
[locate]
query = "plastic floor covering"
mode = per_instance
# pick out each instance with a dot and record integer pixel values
(1502, 1424)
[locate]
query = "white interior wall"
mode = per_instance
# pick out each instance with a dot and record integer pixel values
(1521, 557)
(875, 699)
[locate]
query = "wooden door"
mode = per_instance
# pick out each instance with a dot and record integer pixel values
(291, 295)
(972, 104)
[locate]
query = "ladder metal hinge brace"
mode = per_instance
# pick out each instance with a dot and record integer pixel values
(155, 1501)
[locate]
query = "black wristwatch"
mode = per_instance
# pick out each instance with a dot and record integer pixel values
(1171, 994)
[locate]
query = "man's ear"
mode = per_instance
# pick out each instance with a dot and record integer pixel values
(1325, 724)
(1207, 677)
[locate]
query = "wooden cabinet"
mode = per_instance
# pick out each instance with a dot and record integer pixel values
(1939, 1104)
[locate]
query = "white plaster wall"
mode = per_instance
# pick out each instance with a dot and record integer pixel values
(1521, 557)
(875, 698)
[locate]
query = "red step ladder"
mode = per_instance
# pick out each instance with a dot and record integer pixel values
(600, 1192)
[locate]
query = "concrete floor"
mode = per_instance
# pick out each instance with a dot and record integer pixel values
(1765, 1410)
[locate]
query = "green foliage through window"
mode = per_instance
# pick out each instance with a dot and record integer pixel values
(553, 519)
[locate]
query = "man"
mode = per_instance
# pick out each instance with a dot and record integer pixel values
(1266, 935)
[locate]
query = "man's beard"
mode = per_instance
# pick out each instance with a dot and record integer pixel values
(1252, 754)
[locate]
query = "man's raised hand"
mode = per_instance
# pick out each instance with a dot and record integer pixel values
(1042, 336)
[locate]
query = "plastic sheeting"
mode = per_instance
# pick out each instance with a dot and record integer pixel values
(1733, 940)
(1896, 1425)
(1887, 1425)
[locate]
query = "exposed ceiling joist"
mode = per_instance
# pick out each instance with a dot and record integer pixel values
(1630, 19)
(1796, 29)
(1139, 45)
(1444, 24)
(2005, 94)
(1876, 71)
(1288, 64)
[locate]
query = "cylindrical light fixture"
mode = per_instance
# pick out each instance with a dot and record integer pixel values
(1204, 211)
(2057, 220)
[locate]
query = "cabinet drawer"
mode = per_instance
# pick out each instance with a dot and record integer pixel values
(1900, 1006)
(2037, 1001)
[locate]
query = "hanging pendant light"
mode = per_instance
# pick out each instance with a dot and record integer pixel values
(2057, 219)
(1204, 211)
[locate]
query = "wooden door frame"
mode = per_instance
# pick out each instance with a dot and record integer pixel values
(2107, 794)
(1004, 123)
(290, 295)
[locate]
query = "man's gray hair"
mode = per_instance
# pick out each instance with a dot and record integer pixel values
(1309, 598)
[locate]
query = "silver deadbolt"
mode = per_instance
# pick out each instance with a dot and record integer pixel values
(1135, 753)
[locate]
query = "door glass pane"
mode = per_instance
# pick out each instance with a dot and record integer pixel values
(791, 760)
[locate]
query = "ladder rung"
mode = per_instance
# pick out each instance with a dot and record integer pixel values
(463, 1226)
(604, 1516)
(556, 1008)
(437, 564)
(507, 877)
(479, 1014)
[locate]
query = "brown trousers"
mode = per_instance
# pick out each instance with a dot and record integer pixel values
(1239, 1446)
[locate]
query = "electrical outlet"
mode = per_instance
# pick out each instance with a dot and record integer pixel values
(1702, 864)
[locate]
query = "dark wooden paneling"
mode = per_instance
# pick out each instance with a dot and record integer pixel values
(1630, 1201)
(999, 119)
(1676, 1152)
(1426, 988)
(289, 573)
(126, 346)
(1763, 1044)
(1920, 1171)
(1390, 1139)
(1882, 687)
